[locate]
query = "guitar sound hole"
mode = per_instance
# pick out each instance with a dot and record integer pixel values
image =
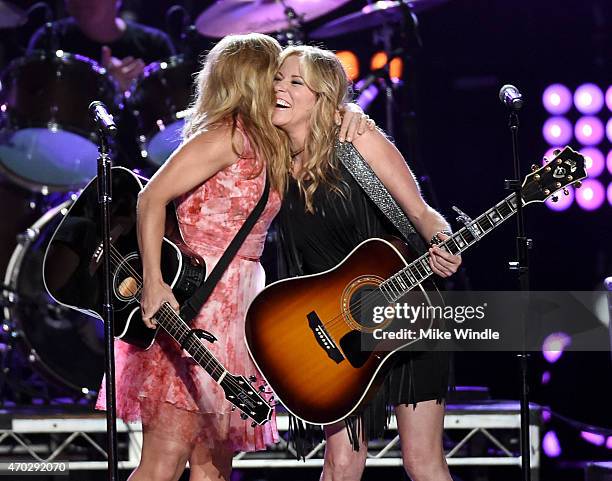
(364, 302)
(126, 279)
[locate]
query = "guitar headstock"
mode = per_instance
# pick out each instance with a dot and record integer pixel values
(566, 168)
(247, 398)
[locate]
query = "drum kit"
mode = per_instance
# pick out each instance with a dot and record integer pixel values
(48, 147)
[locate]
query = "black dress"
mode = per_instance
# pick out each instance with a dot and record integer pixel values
(311, 243)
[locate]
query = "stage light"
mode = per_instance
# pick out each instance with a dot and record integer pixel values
(551, 445)
(594, 161)
(350, 62)
(593, 438)
(609, 129)
(563, 201)
(379, 60)
(609, 161)
(609, 98)
(396, 69)
(589, 130)
(545, 377)
(557, 99)
(591, 195)
(610, 194)
(553, 346)
(549, 155)
(546, 415)
(589, 99)
(557, 131)
(609, 442)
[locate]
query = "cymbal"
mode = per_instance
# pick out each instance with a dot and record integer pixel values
(225, 17)
(371, 16)
(11, 16)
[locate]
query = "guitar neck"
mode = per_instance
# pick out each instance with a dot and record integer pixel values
(419, 270)
(180, 331)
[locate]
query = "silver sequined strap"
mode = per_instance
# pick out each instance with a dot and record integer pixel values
(373, 187)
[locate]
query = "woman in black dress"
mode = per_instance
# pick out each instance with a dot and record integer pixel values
(324, 215)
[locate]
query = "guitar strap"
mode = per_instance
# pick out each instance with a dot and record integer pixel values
(377, 192)
(192, 306)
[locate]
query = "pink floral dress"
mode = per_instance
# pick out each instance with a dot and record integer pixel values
(163, 386)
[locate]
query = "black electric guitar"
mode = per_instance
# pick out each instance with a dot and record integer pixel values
(304, 333)
(72, 273)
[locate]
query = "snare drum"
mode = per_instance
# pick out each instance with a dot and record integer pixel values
(47, 139)
(160, 101)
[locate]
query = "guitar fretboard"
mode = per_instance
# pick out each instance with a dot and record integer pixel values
(419, 270)
(174, 325)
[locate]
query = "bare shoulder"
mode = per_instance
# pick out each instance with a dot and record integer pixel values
(214, 144)
(376, 148)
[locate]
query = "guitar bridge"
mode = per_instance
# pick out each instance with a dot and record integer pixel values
(323, 338)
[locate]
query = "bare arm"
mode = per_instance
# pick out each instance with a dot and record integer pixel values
(390, 166)
(192, 163)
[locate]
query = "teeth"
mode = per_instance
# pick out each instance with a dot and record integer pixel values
(282, 103)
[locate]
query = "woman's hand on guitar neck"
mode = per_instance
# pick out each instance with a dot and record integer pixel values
(154, 294)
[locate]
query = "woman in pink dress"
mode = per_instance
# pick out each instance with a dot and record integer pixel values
(217, 176)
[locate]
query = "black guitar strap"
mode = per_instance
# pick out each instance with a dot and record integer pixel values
(192, 306)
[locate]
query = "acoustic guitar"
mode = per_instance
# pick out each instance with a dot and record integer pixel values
(72, 274)
(305, 333)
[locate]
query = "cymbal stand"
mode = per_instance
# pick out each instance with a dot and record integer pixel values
(294, 33)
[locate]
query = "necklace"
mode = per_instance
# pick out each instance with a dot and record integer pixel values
(296, 153)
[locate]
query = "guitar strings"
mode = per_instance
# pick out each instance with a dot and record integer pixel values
(199, 347)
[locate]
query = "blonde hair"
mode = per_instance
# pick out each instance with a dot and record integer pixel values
(325, 76)
(235, 84)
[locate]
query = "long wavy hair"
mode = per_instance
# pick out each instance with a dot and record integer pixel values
(325, 76)
(235, 84)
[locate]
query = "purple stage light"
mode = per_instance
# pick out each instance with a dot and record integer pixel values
(594, 161)
(589, 130)
(553, 346)
(548, 156)
(557, 131)
(563, 201)
(609, 161)
(550, 445)
(610, 193)
(591, 195)
(589, 99)
(557, 99)
(593, 438)
(545, 377)
(609, 442)
(609, 98)
(546, 415)
(609, 129)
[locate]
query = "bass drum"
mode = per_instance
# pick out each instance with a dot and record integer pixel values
(47, 139)
(65, 346)
(160, 102)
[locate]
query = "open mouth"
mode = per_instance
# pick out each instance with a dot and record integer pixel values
(282, 104)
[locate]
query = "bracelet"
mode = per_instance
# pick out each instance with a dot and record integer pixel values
(435, 240)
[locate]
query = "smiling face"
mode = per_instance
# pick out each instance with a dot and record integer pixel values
(294, 101)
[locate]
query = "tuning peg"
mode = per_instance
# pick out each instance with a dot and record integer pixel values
(565, 191)
(262, 388)
(555, 198)
(243, 416)
(534, 167)
(556, 152)
(253, 424)
(252, 378)
(544, 160)
(233, 408)
(577, 184)
(546, 191)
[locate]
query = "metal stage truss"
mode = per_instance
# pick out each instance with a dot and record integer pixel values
(476, 434)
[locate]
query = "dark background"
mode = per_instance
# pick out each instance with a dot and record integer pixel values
(462, 154)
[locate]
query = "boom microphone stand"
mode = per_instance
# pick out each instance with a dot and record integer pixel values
(511, 97)
(107, 128)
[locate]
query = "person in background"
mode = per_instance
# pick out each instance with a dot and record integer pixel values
(95, 30)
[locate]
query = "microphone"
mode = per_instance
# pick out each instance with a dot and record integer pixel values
(103, 119)
(511, 97)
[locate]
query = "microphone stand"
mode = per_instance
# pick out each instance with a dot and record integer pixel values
(104, 183)
(521, 267)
